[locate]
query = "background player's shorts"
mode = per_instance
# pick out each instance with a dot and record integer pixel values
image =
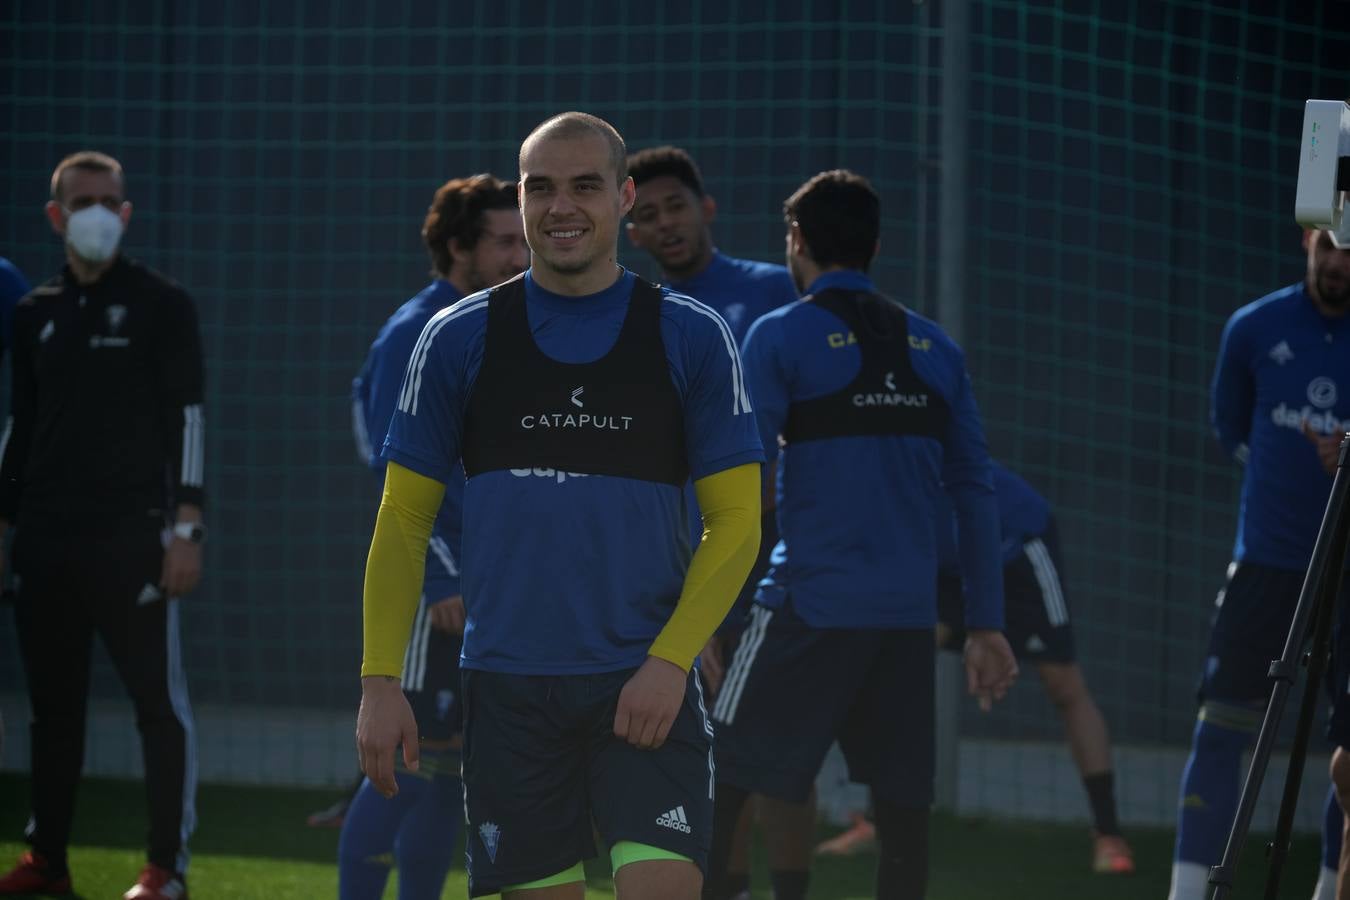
(768, 539)
(431, 679)
(1036, 609)
(792, 690)
(1251, 622)
(1338, 676)
(541, 760)
(733, 627)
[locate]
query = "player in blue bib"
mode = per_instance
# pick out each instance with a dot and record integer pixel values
(1279, 402)
(474, 236)
(875, 413)
(579, 399)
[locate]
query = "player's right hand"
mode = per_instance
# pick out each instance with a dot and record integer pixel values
(181, 569)
(649, 703)
(448, 615)
(991, 667)
(1328, 448)
(713, 667)
(384, 721)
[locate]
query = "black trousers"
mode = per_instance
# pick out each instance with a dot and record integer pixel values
(67, 589)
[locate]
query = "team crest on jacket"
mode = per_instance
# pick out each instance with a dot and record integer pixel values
(117, 314)
(733, 313)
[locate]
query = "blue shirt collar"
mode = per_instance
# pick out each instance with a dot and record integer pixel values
(614, 296)
(712, 271)
(444, 293)
(844, 279)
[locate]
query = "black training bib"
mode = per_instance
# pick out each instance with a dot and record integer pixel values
(886, 397)
(619, 415)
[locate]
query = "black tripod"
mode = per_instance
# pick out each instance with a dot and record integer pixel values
(1316, 605)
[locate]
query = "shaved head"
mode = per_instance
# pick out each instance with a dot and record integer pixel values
(573, 125)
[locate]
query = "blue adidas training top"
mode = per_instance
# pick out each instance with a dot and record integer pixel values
(741, 290)
(13, 288)
(565, 573)
(1023, 514)
(374, 396)
(860, 516)
(1282, 364)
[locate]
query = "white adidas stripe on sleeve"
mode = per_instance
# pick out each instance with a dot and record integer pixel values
(740, 399)
(412, 379)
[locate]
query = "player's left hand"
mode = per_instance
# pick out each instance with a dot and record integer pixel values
(713, 665)
(1328, 448)
(182, 567)
(991, 667)
(448, 615)
(649, 703)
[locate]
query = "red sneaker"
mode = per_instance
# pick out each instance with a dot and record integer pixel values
(330, 816)
(1111, 855)
(861, 836)
(31, 876)
(157, 884)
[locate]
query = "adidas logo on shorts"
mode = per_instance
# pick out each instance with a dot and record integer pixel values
(674, 819)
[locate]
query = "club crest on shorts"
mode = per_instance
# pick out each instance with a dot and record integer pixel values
(490, 835)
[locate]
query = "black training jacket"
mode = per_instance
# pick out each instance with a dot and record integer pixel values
(106, 421)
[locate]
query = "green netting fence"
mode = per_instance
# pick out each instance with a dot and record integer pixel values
(1131, 181)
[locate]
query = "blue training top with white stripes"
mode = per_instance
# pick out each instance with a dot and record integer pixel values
(566, 573)
(1283, 367)
(741, 290)
(859, 515)
(1023, 514)
(374, 395)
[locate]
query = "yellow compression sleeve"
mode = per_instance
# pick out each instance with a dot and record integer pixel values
(730, 503)
(394, 568)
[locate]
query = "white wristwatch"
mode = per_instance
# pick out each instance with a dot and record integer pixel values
(190, 531)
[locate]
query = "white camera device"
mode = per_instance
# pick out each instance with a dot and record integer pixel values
(1324, 169)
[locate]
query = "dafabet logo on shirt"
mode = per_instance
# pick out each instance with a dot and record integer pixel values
(1316, 413)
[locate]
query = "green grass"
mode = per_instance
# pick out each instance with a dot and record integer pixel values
(252, 844)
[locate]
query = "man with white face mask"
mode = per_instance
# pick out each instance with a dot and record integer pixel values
(103, 451)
